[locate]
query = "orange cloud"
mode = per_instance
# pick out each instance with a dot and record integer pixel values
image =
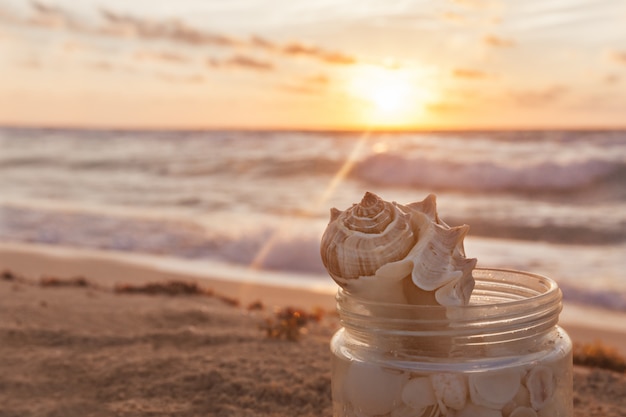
(498, 42)
(242, 61)
(121, 25)
(181, 79)
(313, 84)
(469, 74)
(443, 107)
(166, 56)
(618, 56)
(296, 48)
(539, 97)
(173, 30)
(52, 17)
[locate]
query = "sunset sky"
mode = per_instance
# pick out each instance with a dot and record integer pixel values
(327, 64)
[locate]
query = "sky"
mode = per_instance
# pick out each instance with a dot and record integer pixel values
(326, 64)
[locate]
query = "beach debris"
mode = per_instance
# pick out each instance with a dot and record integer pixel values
(231, 301)
(47, 281)
(375, 248)
(599, 355)
(256, 305)
(163, 288)
(289, 322)
(7, 275)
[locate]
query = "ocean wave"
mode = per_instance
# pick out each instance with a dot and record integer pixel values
(279, 247)
(608, 299)
(395, 170)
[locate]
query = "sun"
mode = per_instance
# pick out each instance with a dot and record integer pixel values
(388, 96)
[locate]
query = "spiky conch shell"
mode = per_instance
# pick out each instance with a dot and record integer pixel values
(390, 252)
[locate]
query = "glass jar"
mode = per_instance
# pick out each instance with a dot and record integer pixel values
(503, 355)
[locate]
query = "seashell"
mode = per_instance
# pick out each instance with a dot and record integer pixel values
(450, 390)
(494, 389)
(406, 411)
(523, 412)
(373, 390)
(521, 399)
(540, 382)
(473, 410)
(418, 393)
(554, 408)
(371, 247)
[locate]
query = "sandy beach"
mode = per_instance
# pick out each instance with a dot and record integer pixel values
(89, 351)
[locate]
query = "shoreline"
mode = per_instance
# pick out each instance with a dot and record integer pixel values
(584, 324)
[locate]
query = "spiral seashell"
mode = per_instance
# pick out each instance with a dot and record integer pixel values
(374, 245)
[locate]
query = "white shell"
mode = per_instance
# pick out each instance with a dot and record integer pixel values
(373, 246)
(494, 389)
(473, 410)
(450, 390)
(540, 383)
(523, 412)
(418, 393)
(406, 411)
(521, 399)
(373, 390)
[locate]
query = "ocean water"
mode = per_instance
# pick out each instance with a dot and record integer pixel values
(550, 202)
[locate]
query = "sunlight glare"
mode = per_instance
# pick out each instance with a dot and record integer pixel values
(393, 96)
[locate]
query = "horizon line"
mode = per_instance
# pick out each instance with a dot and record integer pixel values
(328, 129)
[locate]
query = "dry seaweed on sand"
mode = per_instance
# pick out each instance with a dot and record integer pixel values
(79, 281)
(290, 323)
(163, 288)
(599, 355)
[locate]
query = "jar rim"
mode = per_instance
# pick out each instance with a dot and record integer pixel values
(498, 293)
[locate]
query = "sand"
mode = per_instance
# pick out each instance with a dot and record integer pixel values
(81, 351)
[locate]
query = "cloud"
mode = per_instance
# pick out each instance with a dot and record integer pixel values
(103, 66)
(178, 31)
(242, 61)
(443, 107)
(173, 30)
(539, 97)
(52, 17)
(166, 56)
(473, 4)
(618, 57)
(498, 42)
(319, 79)
(470, 74)
(313, 84)
(296, 48)
(181, 79)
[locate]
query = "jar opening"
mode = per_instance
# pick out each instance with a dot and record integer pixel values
(500, 296)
